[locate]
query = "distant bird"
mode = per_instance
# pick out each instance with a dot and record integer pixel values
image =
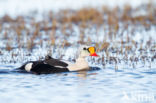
(51, 65)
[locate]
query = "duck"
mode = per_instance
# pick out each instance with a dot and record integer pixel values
(52, 65)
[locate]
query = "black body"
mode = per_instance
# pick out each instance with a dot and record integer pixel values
(46, 66)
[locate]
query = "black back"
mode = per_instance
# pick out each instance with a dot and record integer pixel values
(49, 65)
(54, 62)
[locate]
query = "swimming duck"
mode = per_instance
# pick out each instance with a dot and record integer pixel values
(51, 65)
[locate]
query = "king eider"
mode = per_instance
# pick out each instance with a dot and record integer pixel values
(51, 65)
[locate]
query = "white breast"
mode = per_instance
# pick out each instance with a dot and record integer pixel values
(80, 64)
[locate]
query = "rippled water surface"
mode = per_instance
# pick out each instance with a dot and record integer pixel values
(109, 85)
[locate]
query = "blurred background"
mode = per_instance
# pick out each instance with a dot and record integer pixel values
(123, 32)
(16, 7)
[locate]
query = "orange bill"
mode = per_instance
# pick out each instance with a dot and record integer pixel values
(92, 51)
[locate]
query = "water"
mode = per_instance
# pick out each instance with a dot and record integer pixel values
(105, 85)
(129, 80)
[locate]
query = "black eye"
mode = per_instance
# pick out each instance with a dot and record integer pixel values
(84, 48)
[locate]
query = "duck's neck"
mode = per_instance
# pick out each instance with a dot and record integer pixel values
(80, 64)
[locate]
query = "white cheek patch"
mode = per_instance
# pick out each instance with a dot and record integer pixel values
(28, 67)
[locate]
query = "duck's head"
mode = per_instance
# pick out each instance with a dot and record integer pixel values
(88, 51)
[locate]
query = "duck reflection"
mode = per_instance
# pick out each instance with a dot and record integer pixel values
(83, 74)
